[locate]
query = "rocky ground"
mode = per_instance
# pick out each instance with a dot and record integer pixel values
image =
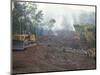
(51, 56)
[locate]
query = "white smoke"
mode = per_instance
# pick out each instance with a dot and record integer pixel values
(65, 15)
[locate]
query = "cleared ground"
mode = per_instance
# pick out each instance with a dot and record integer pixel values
(51, 55)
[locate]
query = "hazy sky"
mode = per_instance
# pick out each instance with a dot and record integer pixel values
(61, 12)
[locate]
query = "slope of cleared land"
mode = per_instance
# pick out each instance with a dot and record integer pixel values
(51, 55)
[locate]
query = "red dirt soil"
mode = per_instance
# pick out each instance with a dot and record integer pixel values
(41, 58)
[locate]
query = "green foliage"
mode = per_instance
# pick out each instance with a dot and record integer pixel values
(87, 33)
(25, 18)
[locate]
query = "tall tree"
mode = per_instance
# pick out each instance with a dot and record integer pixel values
(26, 18)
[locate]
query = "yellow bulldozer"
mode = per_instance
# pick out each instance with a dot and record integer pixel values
(24, 37)
(21, 41)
